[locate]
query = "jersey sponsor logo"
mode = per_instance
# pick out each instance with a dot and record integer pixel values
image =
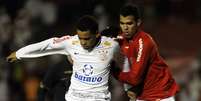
(139, 50)
(86, 76)
(88, 79)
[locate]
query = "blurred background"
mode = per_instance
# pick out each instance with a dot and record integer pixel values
(174, 24)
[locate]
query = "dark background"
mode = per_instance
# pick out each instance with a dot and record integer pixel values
(174, 24)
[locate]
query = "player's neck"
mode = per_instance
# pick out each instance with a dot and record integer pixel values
(98, 41)
(133, 36)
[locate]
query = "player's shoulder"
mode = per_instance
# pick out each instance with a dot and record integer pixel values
(108, 42)
(146, 39)
(62, 39)
(75, 40)
(145, 36)
(65, 38)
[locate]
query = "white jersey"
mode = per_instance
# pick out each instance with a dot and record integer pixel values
(90, 69)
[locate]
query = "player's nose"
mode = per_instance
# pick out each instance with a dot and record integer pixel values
(83, 43)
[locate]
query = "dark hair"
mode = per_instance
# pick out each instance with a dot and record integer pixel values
(111, 31)
(132, 10)
(87, 23)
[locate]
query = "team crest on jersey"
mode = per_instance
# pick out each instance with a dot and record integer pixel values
(86, 76)
(87, 70)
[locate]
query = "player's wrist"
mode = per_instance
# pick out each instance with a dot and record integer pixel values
(132, 95)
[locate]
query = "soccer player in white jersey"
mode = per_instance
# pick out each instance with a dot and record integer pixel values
(91, 54)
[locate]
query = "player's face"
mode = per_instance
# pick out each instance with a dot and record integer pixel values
(87, 39)
(128, 26)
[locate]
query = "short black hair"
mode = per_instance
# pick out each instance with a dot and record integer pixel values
(111, 31)
(87, 23)
(132, 10)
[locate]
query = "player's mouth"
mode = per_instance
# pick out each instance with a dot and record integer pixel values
(85, 47)
(126, 34)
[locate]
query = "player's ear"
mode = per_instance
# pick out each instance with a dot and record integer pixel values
(139, 21)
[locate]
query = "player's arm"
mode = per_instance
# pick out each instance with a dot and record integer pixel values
(44, 48)
(70, 59)
(120, 61)
(137, 71)
(122, 64)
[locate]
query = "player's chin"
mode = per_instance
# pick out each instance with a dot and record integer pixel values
(128, 36)
(86, 47)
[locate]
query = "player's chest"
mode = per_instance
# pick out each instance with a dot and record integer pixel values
(133, 49)
(95, 56)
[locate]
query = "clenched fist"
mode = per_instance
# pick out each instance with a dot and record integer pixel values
(12, 57)
(131, 95)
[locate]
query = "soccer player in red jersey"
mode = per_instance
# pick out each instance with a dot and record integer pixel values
(149, 75)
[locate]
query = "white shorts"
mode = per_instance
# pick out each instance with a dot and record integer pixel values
(166, 99)
(73, 95)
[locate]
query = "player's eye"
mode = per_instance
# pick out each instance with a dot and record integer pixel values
(129, 23)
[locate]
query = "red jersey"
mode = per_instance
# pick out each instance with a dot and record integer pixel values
(147, 66)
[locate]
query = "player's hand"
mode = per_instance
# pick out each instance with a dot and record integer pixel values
(12, 57)
(131, 95)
